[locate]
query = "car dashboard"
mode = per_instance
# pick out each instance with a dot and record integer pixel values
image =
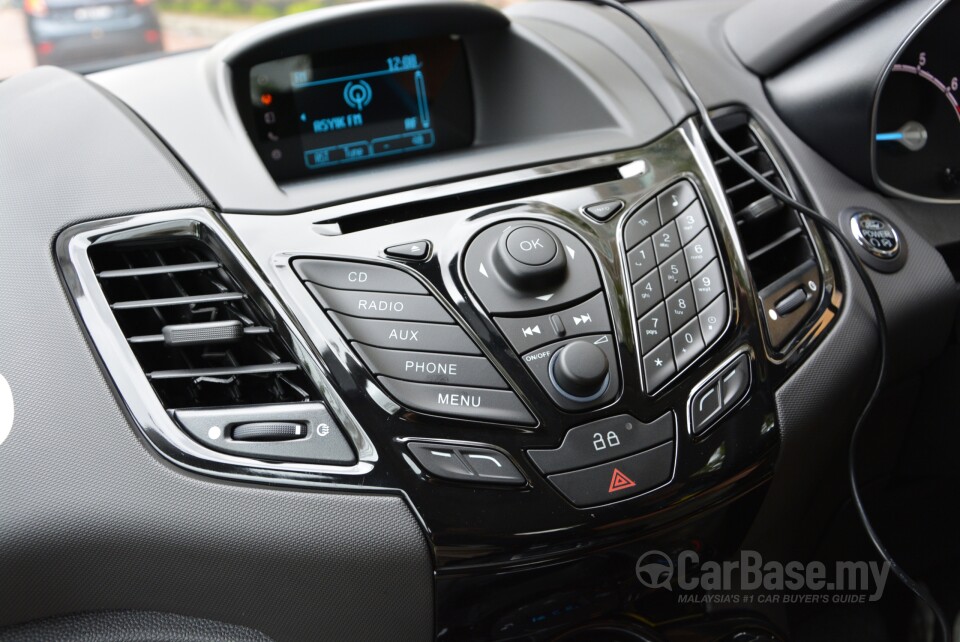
(426, 320)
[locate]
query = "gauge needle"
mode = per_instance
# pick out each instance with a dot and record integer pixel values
(912, 135)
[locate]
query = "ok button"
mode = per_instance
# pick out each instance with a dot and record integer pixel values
(532, 245)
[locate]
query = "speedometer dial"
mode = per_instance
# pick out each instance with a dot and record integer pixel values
(917, 125)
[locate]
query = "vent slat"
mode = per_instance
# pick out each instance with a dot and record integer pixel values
(773, 236)
(783, 238)
(194, 373)
(178, 300)
(158, 269)
(730, 191)
(159, 338)
(200, 338)
(720, 162)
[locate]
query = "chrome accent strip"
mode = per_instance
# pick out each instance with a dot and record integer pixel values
(159, 269)
(177, 300)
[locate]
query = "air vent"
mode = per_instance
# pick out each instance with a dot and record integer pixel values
(199, 337)
(778, 246)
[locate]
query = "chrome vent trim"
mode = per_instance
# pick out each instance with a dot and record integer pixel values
(134, 386)
(775, 239)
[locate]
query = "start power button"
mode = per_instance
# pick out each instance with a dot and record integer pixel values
(879, 243)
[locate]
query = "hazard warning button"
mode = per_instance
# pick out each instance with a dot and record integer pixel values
(618, 479)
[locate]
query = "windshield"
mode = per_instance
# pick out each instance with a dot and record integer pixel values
(87, 35)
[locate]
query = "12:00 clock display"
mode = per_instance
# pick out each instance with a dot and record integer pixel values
(334, 110)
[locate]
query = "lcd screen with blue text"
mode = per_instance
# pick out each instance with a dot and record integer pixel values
(327, 111)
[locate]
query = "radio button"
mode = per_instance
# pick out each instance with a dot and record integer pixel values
(381, 305)
(345, 275)
(425, 337)
(478, 404)
(427, 367)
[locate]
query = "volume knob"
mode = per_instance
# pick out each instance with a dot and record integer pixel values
(580, 371)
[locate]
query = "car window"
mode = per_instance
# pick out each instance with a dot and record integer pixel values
(86, 35)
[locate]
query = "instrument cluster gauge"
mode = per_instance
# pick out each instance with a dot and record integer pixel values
(916, 136)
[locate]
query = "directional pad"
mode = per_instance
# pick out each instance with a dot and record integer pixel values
(496, 287)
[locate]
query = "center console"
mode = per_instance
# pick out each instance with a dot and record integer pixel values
(559, 366)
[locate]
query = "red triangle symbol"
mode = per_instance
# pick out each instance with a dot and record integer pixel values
(619, 481)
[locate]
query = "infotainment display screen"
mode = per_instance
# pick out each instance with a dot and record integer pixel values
(334, 110)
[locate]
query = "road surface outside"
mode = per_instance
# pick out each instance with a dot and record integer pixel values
(180, 32)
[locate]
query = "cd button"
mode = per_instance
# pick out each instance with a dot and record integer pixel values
(345, 275)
